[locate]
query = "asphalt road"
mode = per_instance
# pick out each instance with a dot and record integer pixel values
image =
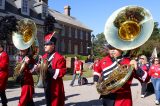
(85, 95)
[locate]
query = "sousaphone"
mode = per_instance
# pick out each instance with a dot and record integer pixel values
(127, 28)
(23, 38)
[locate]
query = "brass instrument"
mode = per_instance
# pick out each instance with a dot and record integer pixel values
(25, 36)
(23, 39)
(42, 72)
(126, 29)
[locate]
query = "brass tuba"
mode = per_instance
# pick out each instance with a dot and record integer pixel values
(127, 28)
(24, 38)
(42, 73)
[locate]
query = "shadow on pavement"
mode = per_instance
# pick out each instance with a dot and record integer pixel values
(38, 95)
(12, 99)
(40, 103)
(66, 98)
(88, 103)
(13, 84)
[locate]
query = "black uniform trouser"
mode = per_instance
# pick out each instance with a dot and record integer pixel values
(3, 97)
(47, 91)
(30, 103)
(108, 100)
(144, 88)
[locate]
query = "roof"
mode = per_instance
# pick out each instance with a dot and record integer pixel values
(67, 19)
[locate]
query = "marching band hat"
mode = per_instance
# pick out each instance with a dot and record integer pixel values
(49, 39)
(110, 46)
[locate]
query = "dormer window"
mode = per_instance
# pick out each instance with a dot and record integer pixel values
(2, 4)
(44, 10)
(25, 7)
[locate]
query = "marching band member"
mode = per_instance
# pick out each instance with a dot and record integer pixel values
(54, 88)
(53, 84)
(121, 97)
(26, 79)
(77, 71)
(4, 62)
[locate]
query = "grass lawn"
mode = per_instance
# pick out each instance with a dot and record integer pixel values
(68, 76)
(86, 73)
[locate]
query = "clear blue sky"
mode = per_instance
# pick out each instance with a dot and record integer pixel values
(94, 13)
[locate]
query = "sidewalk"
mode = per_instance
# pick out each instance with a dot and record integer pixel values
(85, 95)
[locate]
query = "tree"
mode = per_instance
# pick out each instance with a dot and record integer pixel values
(99, 44)
(153, 41)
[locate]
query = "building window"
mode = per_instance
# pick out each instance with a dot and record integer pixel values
(63, 30)
(2, 4)
(25, 7)
(81, 49)
(73, 32)
(69, 46)
(63, 46)
(87, 35)
(81, 35)
(76, 36)
(66, 31)
(44, 11)
(70, 35)
(87, 48)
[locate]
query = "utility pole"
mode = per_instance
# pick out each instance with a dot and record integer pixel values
(92, 40)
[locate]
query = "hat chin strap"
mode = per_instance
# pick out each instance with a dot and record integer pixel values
(51, 51)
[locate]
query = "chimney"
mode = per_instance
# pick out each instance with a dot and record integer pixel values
(67, 10)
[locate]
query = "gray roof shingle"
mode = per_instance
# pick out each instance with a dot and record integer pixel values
(67, 19)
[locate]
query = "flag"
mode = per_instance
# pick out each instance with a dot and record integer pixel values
(154, 53)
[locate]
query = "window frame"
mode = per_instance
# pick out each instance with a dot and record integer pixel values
(44, 10)
(3, 4)
(25, 7)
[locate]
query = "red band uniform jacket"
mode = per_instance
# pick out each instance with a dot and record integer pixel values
(54, 85)
(121, 97)
(95, 69)
(78, 67)
(4, 63)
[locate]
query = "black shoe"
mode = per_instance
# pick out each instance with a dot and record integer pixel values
(71, 85)
(4, 104)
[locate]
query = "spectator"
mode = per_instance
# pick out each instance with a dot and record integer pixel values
(154, 72)
(96, 74)
(89, 59)
(142, 71)
(77, 70)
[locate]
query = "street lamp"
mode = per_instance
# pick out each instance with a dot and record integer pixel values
(92, 40)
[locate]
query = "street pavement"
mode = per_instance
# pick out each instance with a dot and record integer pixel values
(85, 95)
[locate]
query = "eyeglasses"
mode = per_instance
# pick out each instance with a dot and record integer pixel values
(142, 58)
(156, 60)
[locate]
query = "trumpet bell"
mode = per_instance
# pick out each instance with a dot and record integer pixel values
(129, 27)
(25, 36)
